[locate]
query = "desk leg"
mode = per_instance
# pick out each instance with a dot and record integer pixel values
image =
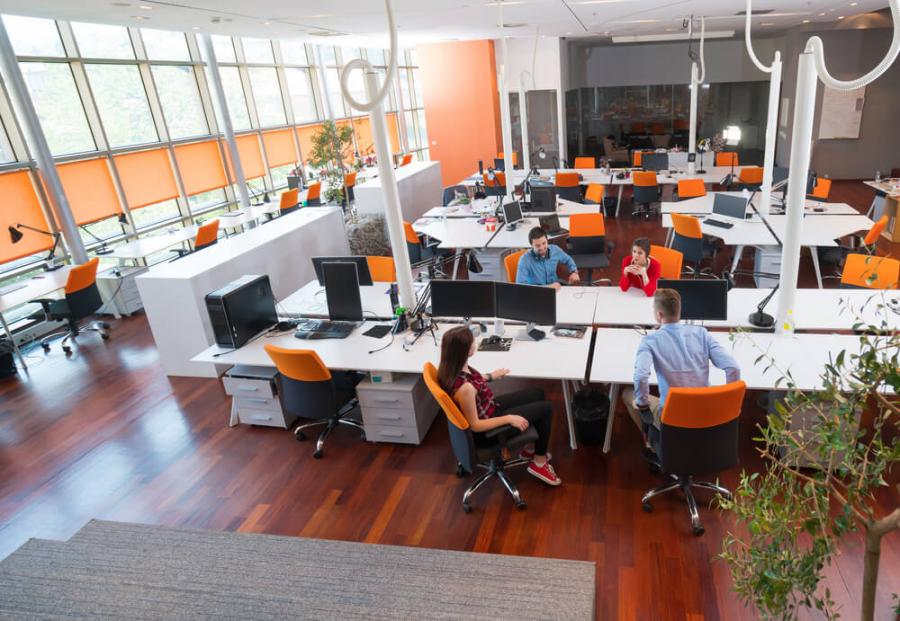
(814, 251)
(669, 235)
(567, 397)
(619, 200)
(738, 251)
(233, 420)
(13, 341)
(613, 397)
(456, 263)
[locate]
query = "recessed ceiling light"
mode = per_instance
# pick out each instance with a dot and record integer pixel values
(568, 33)
(140, 17)
(195, 27)
(266, 23)
(854, 3)
(840, 17)
(821, 14)
(145, 7)
(805, 21)
(767, 24)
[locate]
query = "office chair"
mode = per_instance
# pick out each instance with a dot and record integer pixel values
(495, 186)
(407, 159)
(587, 243)
(726, 158)
(698, 435)
(593, 195)
(862, 271)
(452, 192)
(615, 153)
(689, 188)
(314, 194)
(511, 264)
(867, 245)
(637, 158)
(515, 159)
(207, 235)
(82, 299)
(568, 186)
(306, 389)
(289, 201)
(382, 269)
(670, 261)
(822, 189)
(585, 162)
(657, 129)
(638, 128)
(646, 192)
(487, 452)
(689, 241)
(681, 125)
(750, 178)
(349, 184)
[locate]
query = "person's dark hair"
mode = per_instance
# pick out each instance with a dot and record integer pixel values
(668, 302)
(536, 233)
(454, 353)
(643, 243)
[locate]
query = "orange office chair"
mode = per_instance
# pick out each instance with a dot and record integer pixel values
(689, 241)
(726, 158)
(594, 194)
(515, 158)
(670, 261)
(495, 186)
(690, 188)
(587, 243)
(867, 244)
(307, 389)
(568, 186)
(863, 271)
(82, 299)
(646, 192)
(698, 435)
(681, 125)
(407, 159)
(511, 263)
(750, 177)
(314, 194)
(638, 128)
(488, 452)
(822, 189)
(207, 235)
(585, 162)
(637, 158)
(382, 269)
(290, 201)
(349, 184)
(657, 129)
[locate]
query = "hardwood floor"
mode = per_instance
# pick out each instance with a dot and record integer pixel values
(105, 434)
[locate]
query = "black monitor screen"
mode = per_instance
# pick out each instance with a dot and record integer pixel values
(362, 268)
(529, 303)
(779, 174)
(342, 292)
(462, 298)
(499, 164)
(655, 161)
(700, 299)
(512, 212)
(730, 206)
(543, 198)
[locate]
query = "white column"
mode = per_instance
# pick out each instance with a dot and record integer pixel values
(38, 143)
(692, 136)
(227, 128)
(523, 121)
(771, 128)
(401, 117)
(504, 119)
(801, 137)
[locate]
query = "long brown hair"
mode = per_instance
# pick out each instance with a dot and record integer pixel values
(454, 353)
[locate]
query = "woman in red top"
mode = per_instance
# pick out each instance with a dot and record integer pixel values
(640, 269)
(484, 411)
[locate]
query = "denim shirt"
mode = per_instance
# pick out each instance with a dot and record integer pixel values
(535, 270)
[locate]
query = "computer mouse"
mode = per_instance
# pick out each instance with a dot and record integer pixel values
(818, 209)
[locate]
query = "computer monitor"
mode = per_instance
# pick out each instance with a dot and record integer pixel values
(512, 212)
(543, 198)
(779, 176)
(362, 268)
(462, 298)
(780, 179)
(655, 161)
(293, 182)
(529, 303)
(730, 206)
(499, 164)
(342, 292)
(701, 299)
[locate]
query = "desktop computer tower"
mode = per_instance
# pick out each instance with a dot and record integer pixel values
(241, 310)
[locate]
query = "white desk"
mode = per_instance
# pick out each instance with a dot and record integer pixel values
(311, 301)
(480, 207)
(38, 286)
(887, 195)
(703, 205)
(518, 238)
(419, 188)
(146, 246)
(240, 217)
(460, 233)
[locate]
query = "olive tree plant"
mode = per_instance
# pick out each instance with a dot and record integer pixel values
(332, 145)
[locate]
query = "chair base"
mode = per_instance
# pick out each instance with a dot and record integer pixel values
(497, 468)
(693, 272)
(71, 333)
(685, 484)
(329, 424)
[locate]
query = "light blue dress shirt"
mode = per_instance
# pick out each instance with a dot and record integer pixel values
(534, 270)
(680, 354)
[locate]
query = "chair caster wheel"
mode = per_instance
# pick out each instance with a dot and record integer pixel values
(105, 337)
(467, 508)
(459, 471)
(300, 436)
(68, 350)
(647, 507)
(654, 468)
(104, 325)
(698, 530)
(522, 505)
(317, 454)
(45, 347)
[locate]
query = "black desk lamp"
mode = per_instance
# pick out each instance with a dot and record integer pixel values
(15, 236)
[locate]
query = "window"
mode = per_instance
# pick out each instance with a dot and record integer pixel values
(33, 36)
(294, 53)
(328, 56)
(154, 214)
(349, 53)
(234, 97)
(376, 56)
(404, 89)
(280, 175)
(333, 86)
(165, 45)
(417, 87)
(58, 107)
(102, 41)
(104, 229)
(257, 51)
(300, 89)
(223, 47)
(410, 130)
(267, 95)
(357, 88)
(122, 102)
(206, 200)
(180, 100)
(423, 135)
(6, 152)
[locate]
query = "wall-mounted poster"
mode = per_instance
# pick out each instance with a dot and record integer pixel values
(841, 113)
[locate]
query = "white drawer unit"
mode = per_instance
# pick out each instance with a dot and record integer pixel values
(768, 261)
(254, 399)
(399, 411)
(119, 290)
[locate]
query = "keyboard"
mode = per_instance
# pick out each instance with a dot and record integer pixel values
(312, 329)
(718, 223)
(13, 287)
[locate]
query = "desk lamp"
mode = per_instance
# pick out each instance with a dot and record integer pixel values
(15, 236)
(732, 136)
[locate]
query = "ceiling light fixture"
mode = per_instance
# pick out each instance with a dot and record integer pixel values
(677, 36)
(840, 17)
(140, 17)
(767, 24)
(145, 7)
(805, 21)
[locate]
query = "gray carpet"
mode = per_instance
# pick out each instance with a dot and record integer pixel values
(116, 570)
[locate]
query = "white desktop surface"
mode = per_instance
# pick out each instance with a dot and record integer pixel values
(144, 247)
(480, 206)
(891, 187)
(518, 238)
(38, 286)
(246, 215)
(419, 187)
(455, 232)
(816, 231)
(702, 205)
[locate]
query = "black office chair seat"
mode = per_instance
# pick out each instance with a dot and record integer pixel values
(591, 261)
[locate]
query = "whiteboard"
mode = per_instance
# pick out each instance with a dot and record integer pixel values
(841, 113)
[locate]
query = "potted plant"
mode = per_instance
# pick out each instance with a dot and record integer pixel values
(331, 148)
(790, 519)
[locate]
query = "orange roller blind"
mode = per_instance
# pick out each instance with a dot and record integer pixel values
(21, 206)
(279, 147)
(304, 137)
(200, 165)
(393, 132)
(251, 156)
(90, 190)
(147, 177)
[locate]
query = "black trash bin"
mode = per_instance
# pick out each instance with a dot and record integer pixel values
(7, 362)
(590, 409)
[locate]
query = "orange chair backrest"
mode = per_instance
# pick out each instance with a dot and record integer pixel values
(407, 159)
(82, 276)
(727, 158)
(657, 128)
(636, 159)
(511, 263)
(670, 261)
(382, 269)
(863, 270)
(314, 190)
(691, 188)
(514, 157)
(350, 180)
(587, 225)
(410, 233)
(875, 232)
(681, 124)
(567, 180)
(637, 128)
(585, 162)
(822, 189)
(448, 405)
(289, 198)
(594, 193)
(303, 365)
(701, 408)
(498, 180)
(207, 234)
(687, 226)
(751, 174)
(644, 178)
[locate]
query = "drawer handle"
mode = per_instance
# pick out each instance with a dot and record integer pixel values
(260, 418)
(386, 417)
(248, 388)
(395, 434)
(387, 400)
(258, 400)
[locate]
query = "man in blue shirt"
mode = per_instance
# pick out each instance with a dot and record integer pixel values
(538, 265)
(679, 353)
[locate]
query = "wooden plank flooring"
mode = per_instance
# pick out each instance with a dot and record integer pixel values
(106, 435)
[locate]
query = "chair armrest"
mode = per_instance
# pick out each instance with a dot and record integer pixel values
(496, 431)
(44, 302)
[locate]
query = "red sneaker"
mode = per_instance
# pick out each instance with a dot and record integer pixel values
(545, 473)
(529, 455)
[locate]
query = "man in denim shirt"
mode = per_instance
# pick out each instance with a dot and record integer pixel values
(538, 265)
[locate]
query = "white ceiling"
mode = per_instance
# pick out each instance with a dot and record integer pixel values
(363, 22)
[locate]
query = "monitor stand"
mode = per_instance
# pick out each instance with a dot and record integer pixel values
(524, 334)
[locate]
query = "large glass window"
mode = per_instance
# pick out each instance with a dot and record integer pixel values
(333, 86)
(329, 58)
(408, 101)
(165, 44)
(122, 102)
(357, 88)
(154, 214)
(223, 47)
(267, 95)
(234, 96)
(33, 36)
(257, 51)
(206, 200)
(294, 53)
(300, 89)
(58, 107)
(102, 41)
(375, 55)
(180, 100)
